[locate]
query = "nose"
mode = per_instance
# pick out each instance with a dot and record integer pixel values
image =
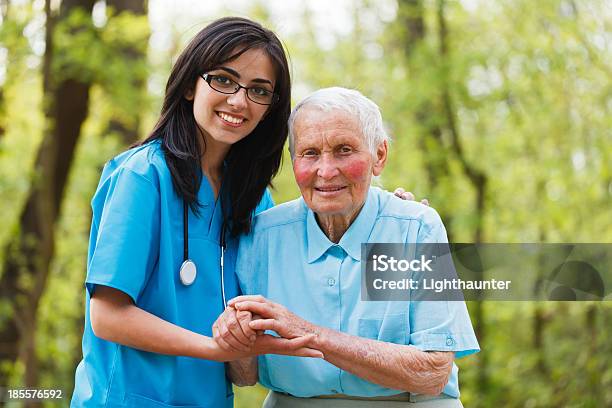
(328, 168)
(238, 100)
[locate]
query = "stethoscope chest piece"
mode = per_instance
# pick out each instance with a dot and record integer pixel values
(188, 272)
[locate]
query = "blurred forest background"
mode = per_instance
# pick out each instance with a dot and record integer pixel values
(501, 114)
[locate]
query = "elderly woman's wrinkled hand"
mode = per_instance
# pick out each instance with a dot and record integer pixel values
(298, 346)
(274, 317)
(232, 332)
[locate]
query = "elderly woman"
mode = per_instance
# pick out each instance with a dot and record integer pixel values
(302, 262)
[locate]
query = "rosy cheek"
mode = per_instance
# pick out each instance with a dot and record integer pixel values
(356, 169)
(303, 172)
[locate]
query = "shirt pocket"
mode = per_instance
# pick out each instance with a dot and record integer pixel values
(391, 328)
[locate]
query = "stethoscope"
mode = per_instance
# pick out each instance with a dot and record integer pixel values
(189, 271)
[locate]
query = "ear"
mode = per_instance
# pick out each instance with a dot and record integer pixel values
(190, 94)
(381, 158)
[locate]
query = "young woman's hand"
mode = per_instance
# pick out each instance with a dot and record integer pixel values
(232, 332)
(407, 195)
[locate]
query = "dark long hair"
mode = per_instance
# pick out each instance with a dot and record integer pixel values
(251, 162)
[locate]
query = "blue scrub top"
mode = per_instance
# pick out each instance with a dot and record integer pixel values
(136, 246)
(300, 268)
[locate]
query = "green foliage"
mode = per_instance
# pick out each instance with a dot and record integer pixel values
(531, 92)
(76, 48)
(249, 397)
(127, 35)
(108, 56)
(18, 149)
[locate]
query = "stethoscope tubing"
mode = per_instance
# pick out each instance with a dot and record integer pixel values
(188, 270)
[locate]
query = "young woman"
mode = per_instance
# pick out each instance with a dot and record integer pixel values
(166, 216)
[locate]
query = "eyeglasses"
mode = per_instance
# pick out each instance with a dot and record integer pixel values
(223, 84)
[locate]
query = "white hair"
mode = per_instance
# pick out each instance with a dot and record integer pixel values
(346, 100)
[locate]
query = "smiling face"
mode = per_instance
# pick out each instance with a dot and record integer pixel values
(227, 118)
(333, 165)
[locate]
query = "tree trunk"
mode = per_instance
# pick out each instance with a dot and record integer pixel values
(128, 131)
(477, 178)
(412, 24)
(137, 7)
(594, 366)
(540, 317)
(26, 266)
(411, 18)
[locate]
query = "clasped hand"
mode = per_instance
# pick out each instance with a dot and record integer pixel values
(240, 328)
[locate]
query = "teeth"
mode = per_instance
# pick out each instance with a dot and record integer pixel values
(329, 189)
(230, 119)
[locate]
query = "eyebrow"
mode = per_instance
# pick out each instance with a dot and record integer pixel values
(237, 75)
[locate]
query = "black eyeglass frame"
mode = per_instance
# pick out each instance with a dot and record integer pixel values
(237, 87)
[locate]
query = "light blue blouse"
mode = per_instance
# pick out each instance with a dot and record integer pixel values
(289, 260)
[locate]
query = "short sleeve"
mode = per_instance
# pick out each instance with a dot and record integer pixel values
(127, 241)
(432, 229)
(252, 264)
(244, 260)
(265, 203)
(440, 325)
